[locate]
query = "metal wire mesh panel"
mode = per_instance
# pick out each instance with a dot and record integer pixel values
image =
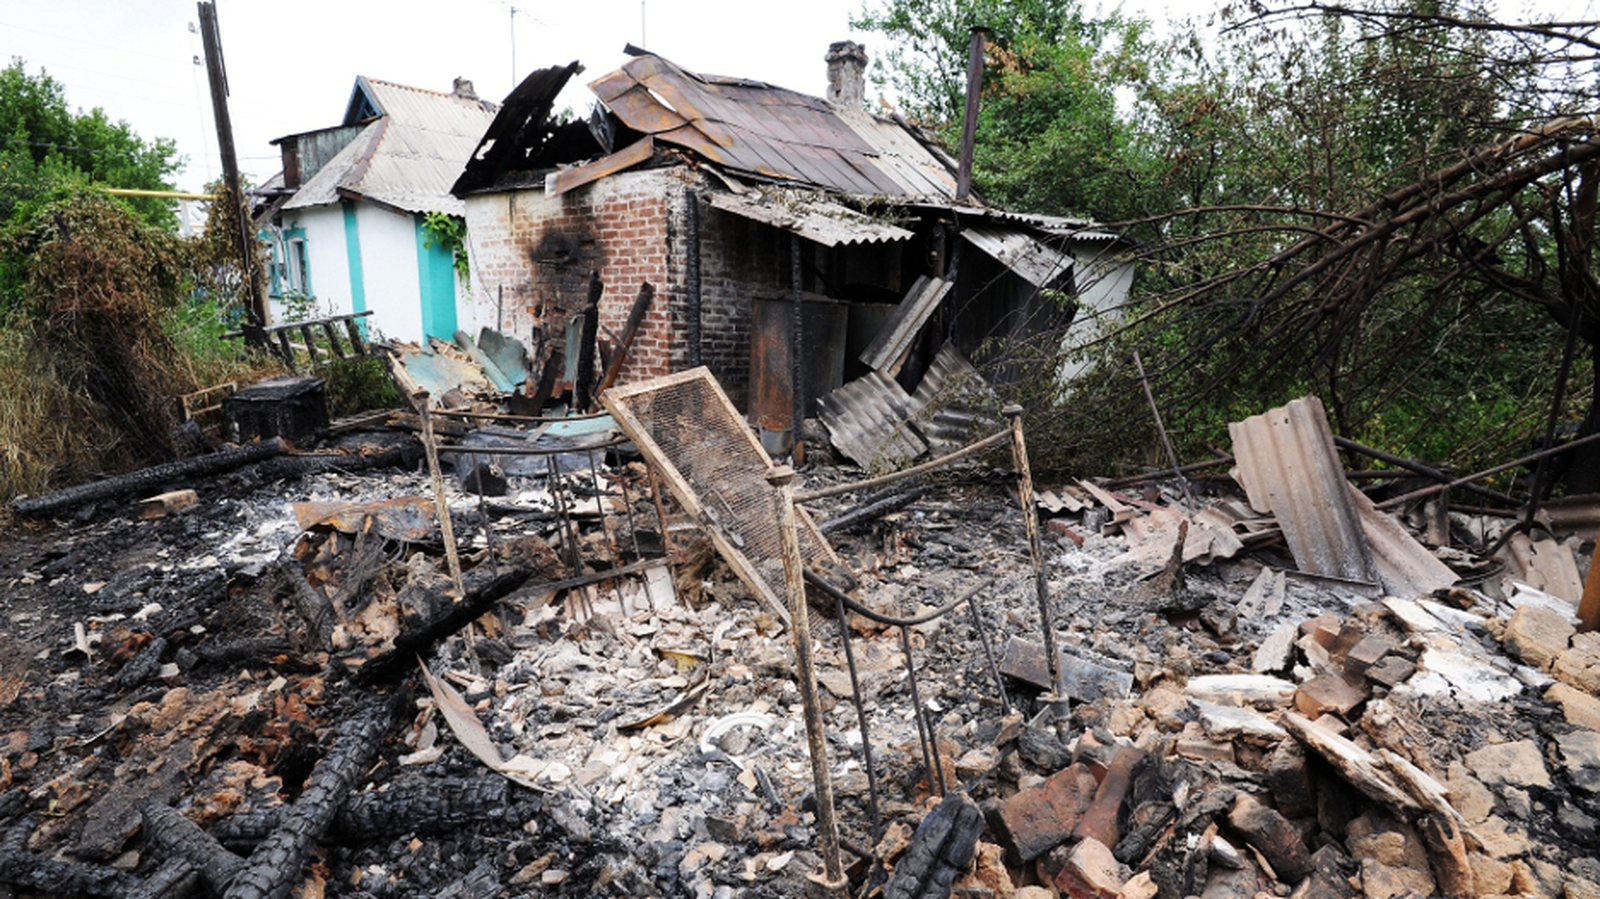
(689, 430)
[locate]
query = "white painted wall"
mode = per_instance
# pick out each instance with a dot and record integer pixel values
(389, 262)
(325, 255)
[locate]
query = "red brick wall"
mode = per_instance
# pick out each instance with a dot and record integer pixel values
(531, 256)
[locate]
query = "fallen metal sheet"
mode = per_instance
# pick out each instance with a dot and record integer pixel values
(408, 518)
(517, 136)
(1034, 260)
(810, 216)
(1289, 466)
(690, 432)
(888, 350)
(508, 353)
(440, 368)
(867, 421)
(953, 404)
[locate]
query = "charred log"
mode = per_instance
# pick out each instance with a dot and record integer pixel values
(274, 866)
(417, 641)
(875, 506)
(171, 835)
(312, 604)
(145, 664)
(432, 806)
(148, 480)
(175, 879)
(29, 871)
(941, 849)
(292, 467)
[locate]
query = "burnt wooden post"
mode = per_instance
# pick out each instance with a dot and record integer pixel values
(420, 401)
(1030, 522)
(833, 882)
(797, 365)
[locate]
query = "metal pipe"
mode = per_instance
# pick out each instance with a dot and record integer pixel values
(988, 652)
(930, 745)
(994, 439)
(1030, 521)
(1480, 475)
(782, 480)
(861, 716)
(1413, 467)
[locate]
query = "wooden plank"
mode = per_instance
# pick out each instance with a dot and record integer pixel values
(889, 348)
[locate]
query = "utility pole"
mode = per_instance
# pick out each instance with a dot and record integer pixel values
(216, 73)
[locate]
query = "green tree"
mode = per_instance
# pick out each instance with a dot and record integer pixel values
(45, 145)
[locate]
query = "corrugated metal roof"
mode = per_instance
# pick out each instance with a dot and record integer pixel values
(811, 216)
(1039, 263)
(409, 157)
(867, 421)
(760, 129)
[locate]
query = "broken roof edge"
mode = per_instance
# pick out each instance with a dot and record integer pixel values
(532, 99)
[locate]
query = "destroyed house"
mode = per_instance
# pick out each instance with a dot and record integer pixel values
(746, 206)
(345, 224)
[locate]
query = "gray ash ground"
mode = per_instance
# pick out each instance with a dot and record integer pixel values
(201, 690)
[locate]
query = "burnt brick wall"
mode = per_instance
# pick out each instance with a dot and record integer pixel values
(531, 256)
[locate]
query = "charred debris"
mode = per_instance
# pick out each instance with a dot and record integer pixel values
(454, 652)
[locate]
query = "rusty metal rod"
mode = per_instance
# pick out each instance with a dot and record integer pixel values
(1030, 521)
(994, 439)
(925, 727)
(1166, 439)
(861, 716)
(988, 652)
(782, 480)
(1192, 467)
(531, 450)
(1413, 467)
(1478, 476)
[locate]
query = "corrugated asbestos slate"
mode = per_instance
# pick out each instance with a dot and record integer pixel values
(867, 421)
(811, 217)
(1289, 467)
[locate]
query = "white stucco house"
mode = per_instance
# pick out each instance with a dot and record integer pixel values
(345, 221)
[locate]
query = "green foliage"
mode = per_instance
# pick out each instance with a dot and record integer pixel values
(44, 145)
(449, 232)
(359, 384)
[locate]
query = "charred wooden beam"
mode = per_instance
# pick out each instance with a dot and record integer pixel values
(176, 878)
(291, 467)
(480, 596)
(148, 480)
(312, 604)
(37, 873)
(875, 506)
(145, 664)
(171, 835)
(941, 849)
(433, 805)
(274, 867)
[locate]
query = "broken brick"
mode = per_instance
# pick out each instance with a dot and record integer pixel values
(1326, 694)
(1038, 819)
(1391, 672)
(1091, 872)
(1100, 821)
(1537, 635)
(1366, 653)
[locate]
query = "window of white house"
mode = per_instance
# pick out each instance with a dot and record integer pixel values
(289, 267)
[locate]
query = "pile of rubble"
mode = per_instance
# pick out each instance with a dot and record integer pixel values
(283, 688)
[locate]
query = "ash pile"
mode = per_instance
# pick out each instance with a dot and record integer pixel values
(583, 679)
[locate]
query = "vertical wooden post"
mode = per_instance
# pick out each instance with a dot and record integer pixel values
(833, 882)
(430, 448)
(216, 73)
(969, 125)
(1030, 522)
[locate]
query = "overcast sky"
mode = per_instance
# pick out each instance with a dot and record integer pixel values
(292, 63)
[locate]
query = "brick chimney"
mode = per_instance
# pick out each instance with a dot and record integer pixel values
(463, 88)
(847, 74)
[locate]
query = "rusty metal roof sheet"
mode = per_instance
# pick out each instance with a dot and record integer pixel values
(1036, 261)
(760, 129)
(408, 158)
(809, 215)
